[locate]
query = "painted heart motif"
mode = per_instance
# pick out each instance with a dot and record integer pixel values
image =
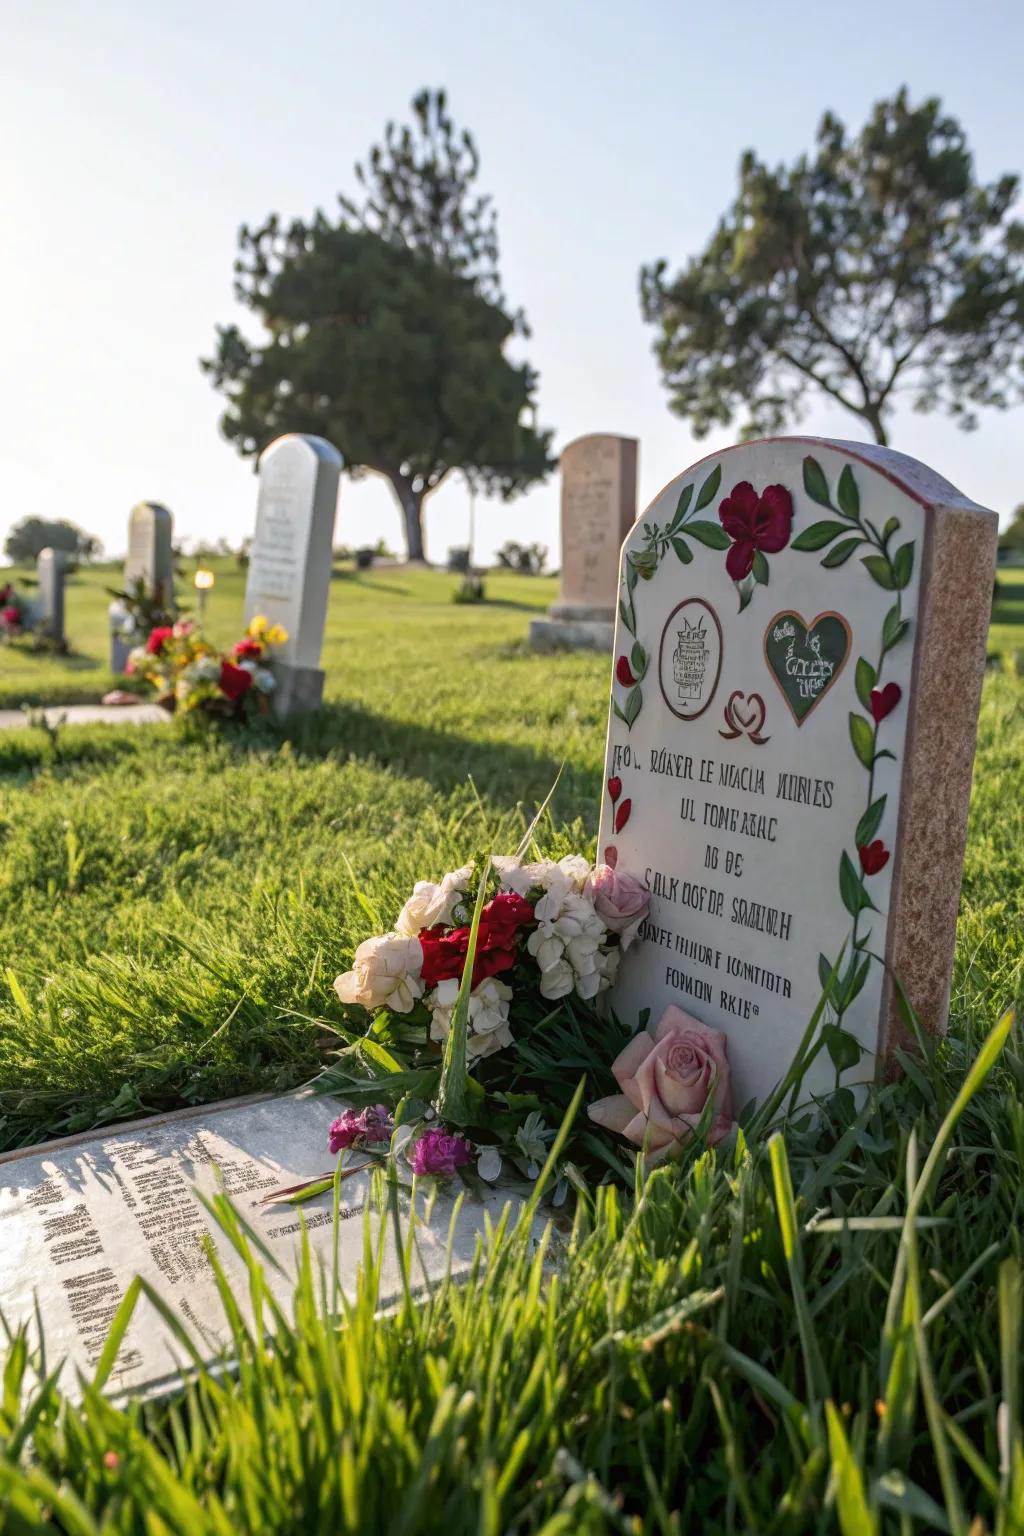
(751, 717)
(805, 659)
(611, 855)
(622, 814)
(615, 788)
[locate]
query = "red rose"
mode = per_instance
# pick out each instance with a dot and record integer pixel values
(873, 857)
(444, 954)
(158, 638)
(235, 682)
(624, 673)
(754, 523)
(11, 617)
(248, 649)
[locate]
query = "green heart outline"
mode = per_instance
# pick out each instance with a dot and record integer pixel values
(838, 630)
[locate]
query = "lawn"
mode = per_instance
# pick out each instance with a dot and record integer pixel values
(709, 1356)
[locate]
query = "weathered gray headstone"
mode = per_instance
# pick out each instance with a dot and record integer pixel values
(50, 569)
(798, 662)
(290, 564)
(150, 560)
(80, 1218)
(598, 508)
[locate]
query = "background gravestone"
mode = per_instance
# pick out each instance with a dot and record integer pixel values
(799, 658)
(150, 560)
(598, 508)
(290, 564)
(50, 571)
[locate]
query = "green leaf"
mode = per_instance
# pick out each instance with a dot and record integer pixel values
(626, 615)
(890, 528)
(759, 570)
(824, 972)
(848, 495)
(638, 660)
(903, 565)
(870, 822)
(878, 569)
(866, 677)
(841, 1045)
(634, 699)
(746, 592)
(815, 483)
(711, 534)
(841, 552)
(818, 535)
(617, 712)
(863, 737)
(855, 982)
(682, 507)
(894, 628)
(683, 550)
(855, 1517)
(632, 574)
(851, 886)
(453, 1096)
(709, 489)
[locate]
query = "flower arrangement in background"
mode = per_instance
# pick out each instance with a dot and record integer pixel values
(190, 676)
(15, 614)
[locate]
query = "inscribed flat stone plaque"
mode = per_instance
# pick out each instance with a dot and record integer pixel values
(290, 562)
(799, 654)
(80, 1217)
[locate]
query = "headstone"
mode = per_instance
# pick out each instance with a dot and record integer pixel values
(150, 560)
(798, 663)
(290, 564)
(79, 1218)
(599, 475)
(50, 573)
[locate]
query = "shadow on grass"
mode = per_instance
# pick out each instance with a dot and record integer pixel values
(357, 579)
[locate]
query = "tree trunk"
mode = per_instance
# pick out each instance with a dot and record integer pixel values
(873, 417)
(411, 503)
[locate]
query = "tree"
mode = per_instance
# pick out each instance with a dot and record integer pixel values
(1011, 540)
(32, 535)
(385, 331)
(875, 267)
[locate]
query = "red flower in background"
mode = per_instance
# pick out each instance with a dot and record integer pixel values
(873, 857)
(234, 682)
(158, 638)
(444, 954)
(11, 617)
(248, 649)
(755, 522)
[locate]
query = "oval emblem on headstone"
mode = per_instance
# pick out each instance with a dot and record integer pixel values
(690, 660)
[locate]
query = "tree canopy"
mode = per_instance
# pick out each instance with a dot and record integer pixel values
(27, 540)
(384, 330)
(1012, 536)
(875, 267)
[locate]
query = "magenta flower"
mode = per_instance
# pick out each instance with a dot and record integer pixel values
(360, 1125)
(436, 1152)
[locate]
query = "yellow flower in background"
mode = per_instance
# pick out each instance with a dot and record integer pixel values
(277, 635)
(257, 625)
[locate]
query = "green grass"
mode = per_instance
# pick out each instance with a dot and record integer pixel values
(173, 911)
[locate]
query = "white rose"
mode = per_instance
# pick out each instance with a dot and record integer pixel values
(385, 970)
(431, 904)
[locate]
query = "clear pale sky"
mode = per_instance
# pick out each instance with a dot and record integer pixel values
(138, 136)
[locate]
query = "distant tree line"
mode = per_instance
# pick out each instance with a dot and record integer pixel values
(27, 540)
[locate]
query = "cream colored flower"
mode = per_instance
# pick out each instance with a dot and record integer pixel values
(488, 1027)
(431, 904)
(385, 971)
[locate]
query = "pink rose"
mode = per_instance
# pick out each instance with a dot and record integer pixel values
(666, 1081)
(620, 901)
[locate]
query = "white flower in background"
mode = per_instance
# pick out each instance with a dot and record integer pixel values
(248, 666)
(385, 971)
(488, 1027)
(206, 669)
(264, 680)
(431, 904)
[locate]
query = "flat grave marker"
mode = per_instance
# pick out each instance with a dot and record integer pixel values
(799, 653)
(290, 563)
(79, 1218)
(598, 508)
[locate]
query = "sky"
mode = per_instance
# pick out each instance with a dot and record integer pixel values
(138, 137)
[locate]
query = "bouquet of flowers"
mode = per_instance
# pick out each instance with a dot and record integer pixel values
(190, 676)
(474, 1019)
(15, 614)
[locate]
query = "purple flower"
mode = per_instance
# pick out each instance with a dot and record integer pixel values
(371, 1124)
(435, 1151)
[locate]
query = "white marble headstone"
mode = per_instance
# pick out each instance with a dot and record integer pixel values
(290, 563)
(50, 573)
(150, 555)
(799, 652)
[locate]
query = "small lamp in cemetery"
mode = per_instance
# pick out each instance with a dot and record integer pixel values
(204, 581)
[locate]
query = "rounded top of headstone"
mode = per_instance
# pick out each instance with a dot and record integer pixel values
(323, 450)
(154, 508)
